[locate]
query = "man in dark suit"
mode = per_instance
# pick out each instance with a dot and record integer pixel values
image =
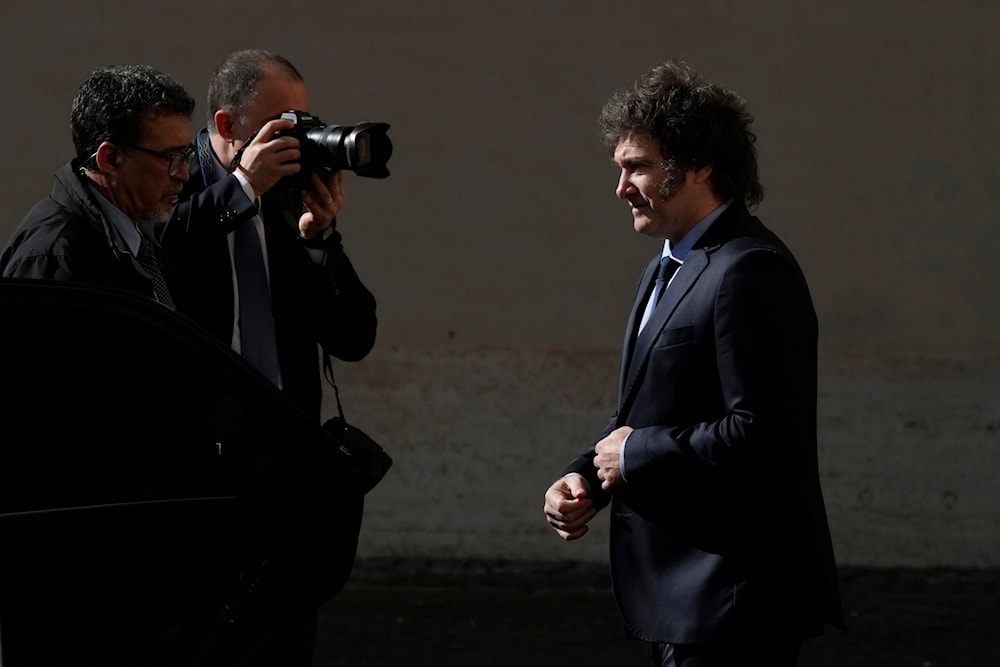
(720, 548)
(238, 183)
(255, 235)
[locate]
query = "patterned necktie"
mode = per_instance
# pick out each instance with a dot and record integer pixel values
(257, 342)
(668, 267)
(148, 261)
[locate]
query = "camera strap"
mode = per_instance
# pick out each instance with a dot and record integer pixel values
(239, 154)
(368, 457)
(328, 373)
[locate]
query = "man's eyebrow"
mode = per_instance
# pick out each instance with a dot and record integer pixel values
(632, 162)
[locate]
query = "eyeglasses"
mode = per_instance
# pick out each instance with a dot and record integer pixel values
(174, 160)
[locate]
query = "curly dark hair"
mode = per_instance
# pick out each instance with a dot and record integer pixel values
(233, 86)
(115, 102)
(696, 124)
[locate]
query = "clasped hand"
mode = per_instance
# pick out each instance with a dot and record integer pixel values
(607, 459)
(568, 507)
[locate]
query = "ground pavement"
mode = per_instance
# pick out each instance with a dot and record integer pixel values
(450, 614)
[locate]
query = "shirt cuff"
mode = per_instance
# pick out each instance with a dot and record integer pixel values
(621, 457)
(245, 184)
(576, 474)
(316, 246)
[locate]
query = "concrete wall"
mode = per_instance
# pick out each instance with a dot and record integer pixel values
(504, 265)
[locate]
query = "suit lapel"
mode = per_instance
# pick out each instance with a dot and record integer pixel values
(638, 306)
(681, 284)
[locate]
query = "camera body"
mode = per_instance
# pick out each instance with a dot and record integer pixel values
(364, 148)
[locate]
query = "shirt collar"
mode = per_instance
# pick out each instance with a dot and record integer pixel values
(681, 250)
(218, 169)
(126, 228)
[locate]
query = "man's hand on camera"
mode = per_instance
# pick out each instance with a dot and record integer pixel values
(267, 160)
(322, 203)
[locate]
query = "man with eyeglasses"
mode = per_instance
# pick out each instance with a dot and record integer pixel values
(131, 131)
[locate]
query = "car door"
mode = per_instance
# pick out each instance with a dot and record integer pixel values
(160, 501)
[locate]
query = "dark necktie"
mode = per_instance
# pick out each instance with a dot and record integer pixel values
(256, 319)
(147, 259)
(668, 267)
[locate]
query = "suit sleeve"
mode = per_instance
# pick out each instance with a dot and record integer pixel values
(583, 465)
(340, 306)
(205, 215)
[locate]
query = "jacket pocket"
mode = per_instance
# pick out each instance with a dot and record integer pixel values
(675, 336)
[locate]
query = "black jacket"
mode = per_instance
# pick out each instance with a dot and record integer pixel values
(66, 237)
(324, 304)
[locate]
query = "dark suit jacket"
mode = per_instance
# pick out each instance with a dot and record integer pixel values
(720, 533)
(324, 305)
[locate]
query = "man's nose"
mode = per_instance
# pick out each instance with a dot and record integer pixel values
(624, 185)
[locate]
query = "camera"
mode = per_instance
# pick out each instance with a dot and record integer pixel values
(364, 148)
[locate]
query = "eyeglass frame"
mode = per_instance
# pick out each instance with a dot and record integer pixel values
(179, 157)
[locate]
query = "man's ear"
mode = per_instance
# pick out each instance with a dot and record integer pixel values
(108, 158)
(701, 174)
(224, 125)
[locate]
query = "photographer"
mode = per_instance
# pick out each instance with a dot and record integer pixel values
(266, 261)
(308, 288)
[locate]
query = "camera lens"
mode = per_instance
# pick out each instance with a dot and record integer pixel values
(364, 148)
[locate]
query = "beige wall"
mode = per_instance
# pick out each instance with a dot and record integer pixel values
(504, 265)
